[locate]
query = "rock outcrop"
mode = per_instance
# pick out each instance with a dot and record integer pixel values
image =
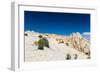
(73, 46)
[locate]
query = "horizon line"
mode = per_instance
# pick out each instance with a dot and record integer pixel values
(55, 33)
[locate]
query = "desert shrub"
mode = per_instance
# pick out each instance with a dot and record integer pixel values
(25, 34)
(40, 36)
(67, 44)
(46, 42)
(68, 57)
(41, 44)
(87, 53)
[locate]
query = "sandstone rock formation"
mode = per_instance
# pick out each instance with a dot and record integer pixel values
(74, 45)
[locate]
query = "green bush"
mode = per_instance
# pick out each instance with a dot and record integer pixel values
(46, 42)
(41, 44)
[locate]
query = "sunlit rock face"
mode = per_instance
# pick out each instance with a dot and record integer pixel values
(80, 43)
(61, 47)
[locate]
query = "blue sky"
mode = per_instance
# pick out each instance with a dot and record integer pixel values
(57, 23)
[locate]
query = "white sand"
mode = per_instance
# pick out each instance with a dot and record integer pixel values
(55, 52)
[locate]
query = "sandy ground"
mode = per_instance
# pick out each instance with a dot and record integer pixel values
(55, 52)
